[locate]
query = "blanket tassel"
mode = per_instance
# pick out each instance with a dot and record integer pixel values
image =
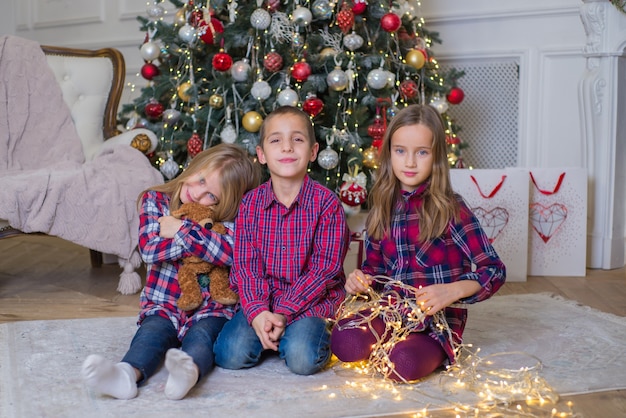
(130, 281)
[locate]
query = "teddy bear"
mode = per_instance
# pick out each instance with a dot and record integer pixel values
(192, 266)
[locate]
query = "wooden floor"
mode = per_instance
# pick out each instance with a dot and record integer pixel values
(44, 277)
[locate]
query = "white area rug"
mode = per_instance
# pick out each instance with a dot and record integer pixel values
(582, 350)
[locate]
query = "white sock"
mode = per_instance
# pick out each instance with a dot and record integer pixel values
(183, 374)
(114, 379)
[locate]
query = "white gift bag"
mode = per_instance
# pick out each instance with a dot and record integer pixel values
(499, 199)
(558, 222)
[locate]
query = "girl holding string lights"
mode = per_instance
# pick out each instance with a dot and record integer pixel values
(426, 255)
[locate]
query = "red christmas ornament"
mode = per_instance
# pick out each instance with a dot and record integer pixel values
(455, 96)
(272, 5)
(409, 89)
(453, 140)
(345, 18)
(352, 192)
(222, 61)
(196, 17)
(390, 22)
(301, 71)
(207, 31)
(377, 129)
(194, 145)
(149, 71)
(313, 105)
(273, 62)
(154, 110)
(360, 6)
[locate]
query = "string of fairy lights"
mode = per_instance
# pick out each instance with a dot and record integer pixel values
(500, 389)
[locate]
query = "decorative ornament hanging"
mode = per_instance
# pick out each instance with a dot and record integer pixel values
(149, 71)
(141, 142)
(260, 19)
(150, 51)
(240, 70)
(222, 61)
(391, 79)
(301, 71)
(353, 191)
(169, 168)
(261, 90)
(273, 62)
(337, 79)
(345, 18)
(154, 110)
(353, 41)
(390, 22)
(455, 95)
(184, 91)
(409, 89)
(322, 9)
(252, 121)
(229, 133)
(359, 7)
(302, 16)
(312, 105)
(187, 33)
(288, 97)
(194, 145)
(171, 116)
(328, 158)
(377, 129)
(440, 104)
(155, 11)
(179, 18)
(370, 158)
(377, 78)
(415, 58)
(216, 101)
(208, 30)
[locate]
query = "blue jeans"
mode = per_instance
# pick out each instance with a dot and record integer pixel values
(305, 345)
(156, 335)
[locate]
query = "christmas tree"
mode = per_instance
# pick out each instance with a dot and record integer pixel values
(216, 68)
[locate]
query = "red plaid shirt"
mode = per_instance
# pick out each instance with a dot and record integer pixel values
(163, 255)
(446, 259)
(290, 260)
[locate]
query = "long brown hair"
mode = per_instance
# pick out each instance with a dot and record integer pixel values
(239, 174)
(440, 205)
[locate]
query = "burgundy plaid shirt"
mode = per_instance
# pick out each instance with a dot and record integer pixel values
(290, 260)
(446, 259)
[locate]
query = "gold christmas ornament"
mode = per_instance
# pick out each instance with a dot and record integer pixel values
(179, 17)
(141, 142)
(370, 158)
(252, 121)
(415, 58)
(183, 91)
(327, 52)
(216, 101)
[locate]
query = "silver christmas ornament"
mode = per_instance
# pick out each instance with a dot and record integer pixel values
(171, 116)
(391, 79)
(169, 168)
(322, 9)
(441, 104)
(377, 79)
(260, 19)
(228, 134)
(187, 33)
(302, 16)
(150, 51)
(328, 158)
(352, 41)
(240, 70)
(288, 97)
(261, 90)
(337, 79)
(155, 11)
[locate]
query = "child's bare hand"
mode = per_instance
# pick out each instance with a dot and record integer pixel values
(435, 297)
(169, 226)
(269, 327)
(358, 282)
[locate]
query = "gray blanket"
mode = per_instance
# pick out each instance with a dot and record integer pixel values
(45, 183)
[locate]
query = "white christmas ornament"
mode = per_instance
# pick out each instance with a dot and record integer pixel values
(260, 19)
(187, 33)
(171, 116)
(240, 70)
(302, 16)
(441, 104)
(155, 11)
(288, 97)
(150, 51)
(353, 41)
(228, 134)
(337, 79)
(261, 90)
(377, 78)
(328, 158)
(169, 168)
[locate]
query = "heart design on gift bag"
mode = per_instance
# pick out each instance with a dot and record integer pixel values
(492, 221)
(547, 220)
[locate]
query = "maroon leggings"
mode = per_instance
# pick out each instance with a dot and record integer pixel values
(414, 358)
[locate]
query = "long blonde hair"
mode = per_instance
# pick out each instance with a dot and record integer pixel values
(239, 174)
(440, 205)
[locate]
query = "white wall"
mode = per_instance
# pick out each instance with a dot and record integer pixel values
(546, 37)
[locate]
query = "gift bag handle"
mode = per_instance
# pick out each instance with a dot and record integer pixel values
(548, 192)
(493, 192)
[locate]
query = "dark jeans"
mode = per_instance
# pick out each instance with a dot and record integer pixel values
(156, 335)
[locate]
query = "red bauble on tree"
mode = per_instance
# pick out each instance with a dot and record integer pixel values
(345, 18)
(313, 105)
(360, 6)
(222, 61)
(377, 129)
(273, 62)
(455, 96)
(301, 71)
(154, 110)
(409, 89)
(390, 22)
(353, 191)
(194, 145)
(207, 31)
(149, 71)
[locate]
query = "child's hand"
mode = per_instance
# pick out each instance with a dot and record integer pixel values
(358, 282)
(269, 327)
(169, 226)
